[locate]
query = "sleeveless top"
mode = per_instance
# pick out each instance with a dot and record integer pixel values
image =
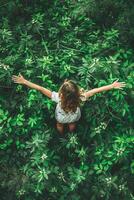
(60, 115)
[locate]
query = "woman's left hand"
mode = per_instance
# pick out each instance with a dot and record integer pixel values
(18, 79)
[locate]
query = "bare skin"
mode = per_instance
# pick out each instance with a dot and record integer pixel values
(114, 85)
(72, 127)
(21, 80)
(60, 127)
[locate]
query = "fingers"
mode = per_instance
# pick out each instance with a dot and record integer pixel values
(14, 76)
(117, 80)
(20, 75)
(123, 84)
(119, 84)
(15, 79)
(18, 79)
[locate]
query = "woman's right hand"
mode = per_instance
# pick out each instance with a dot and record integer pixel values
(18, 79)
(118, 85)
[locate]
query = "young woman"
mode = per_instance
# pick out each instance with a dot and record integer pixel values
(68, 99)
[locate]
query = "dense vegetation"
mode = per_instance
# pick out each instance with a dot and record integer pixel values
(89, 41)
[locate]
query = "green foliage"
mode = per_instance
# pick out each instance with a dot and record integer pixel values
(107, 14)
(49, 41)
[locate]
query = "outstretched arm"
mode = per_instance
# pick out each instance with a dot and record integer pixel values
(114, 85)
(21, 80)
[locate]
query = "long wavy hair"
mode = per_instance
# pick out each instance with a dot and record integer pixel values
(69, 93)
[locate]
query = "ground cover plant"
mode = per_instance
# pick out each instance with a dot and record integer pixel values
(47, 42)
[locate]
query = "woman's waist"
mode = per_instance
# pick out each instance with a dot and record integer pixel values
(59, 109)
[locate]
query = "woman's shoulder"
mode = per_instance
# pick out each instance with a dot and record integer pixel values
(82, 95)
(55, 96)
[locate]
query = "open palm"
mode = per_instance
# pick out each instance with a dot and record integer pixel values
(18, 79)
(118, 85)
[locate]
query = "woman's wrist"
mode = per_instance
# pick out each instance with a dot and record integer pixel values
(112, 86)
(25, 82)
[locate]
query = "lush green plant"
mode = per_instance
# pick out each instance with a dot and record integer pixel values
(49, 41)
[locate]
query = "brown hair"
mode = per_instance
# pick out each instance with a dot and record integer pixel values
(69, 93)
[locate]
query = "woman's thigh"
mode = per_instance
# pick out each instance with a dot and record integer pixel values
(60, 127)
(72, 126)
